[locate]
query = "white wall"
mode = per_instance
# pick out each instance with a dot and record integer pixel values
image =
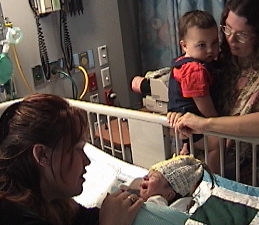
(101, 23)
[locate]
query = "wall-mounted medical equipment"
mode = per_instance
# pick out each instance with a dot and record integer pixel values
(46, 6)
(69, 6)
(154, 87)
(9, 35)
(36, 8)
(43, 8)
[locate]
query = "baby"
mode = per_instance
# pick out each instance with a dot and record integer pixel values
(171, 182)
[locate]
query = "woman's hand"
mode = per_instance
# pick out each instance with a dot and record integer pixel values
(119, 208)
(191, 124)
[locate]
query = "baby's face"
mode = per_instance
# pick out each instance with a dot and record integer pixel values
(154, 184)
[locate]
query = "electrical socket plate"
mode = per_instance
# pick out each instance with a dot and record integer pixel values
(90, 58)
(83, 60)
(94, 98)
(38, 76)
(106, 78)
(103, 55)
(54, 65)
(76, 59)
(92, 85)
(108, 100)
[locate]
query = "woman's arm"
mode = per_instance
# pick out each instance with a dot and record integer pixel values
(246, 125)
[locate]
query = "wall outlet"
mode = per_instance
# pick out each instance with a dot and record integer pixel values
(38, 76)
(76, 59)
(90, 58)
(94, 98)
(92, 85)
(106, 78)
(83, 60)
(103, 55)
(54, 75)
(109, 96)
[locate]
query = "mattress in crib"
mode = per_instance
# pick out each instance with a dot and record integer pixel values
(228, 203)
(104, 172)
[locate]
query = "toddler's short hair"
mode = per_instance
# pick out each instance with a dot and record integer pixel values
(201, 19)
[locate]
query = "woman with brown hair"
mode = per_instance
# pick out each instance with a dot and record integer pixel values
(239, 89)
(42, 163)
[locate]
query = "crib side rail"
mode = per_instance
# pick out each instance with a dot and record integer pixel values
(148, 136)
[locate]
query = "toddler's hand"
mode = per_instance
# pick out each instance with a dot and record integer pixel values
(172, 118)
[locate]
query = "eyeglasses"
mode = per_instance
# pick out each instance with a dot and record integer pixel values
(240, 37)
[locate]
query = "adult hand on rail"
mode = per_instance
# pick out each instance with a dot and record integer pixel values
(119, 208)
(189, 124)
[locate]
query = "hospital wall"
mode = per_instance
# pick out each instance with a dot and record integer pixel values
(108, 22)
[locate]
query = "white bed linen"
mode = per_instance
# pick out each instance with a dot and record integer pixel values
(104, 172)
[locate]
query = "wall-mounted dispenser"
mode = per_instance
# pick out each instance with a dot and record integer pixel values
(47, 6)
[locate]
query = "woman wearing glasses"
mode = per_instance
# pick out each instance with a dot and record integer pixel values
(239, 89)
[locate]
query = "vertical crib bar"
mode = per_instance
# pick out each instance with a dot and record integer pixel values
(254, 158)
(191, 145)
(237, 161)
(221, 156)
(100, 130)
(206, 149)
(177, 142)
(110, 135)
(90, 124)
(121, 139)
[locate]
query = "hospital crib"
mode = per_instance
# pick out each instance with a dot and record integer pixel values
(143, 139)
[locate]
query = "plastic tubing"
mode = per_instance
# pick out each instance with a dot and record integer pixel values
(74, 86)
(83, 70)
(17, 61)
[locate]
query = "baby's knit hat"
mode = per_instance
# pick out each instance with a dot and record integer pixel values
(182, 172)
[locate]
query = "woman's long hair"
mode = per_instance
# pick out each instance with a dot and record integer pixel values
(249, 10)
(38, 119)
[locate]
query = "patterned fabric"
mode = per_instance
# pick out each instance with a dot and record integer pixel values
(229, 202)
(152, 214)
(239, 96)
(182, 172)
(159, 40)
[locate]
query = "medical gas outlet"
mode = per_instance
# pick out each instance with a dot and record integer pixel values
(109, 96)
(103, 55)
(106, 78)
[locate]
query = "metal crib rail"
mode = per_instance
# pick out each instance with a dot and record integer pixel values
(238, 140)
(110, 114)
(96, 112)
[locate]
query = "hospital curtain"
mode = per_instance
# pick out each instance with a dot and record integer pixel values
(159, 40)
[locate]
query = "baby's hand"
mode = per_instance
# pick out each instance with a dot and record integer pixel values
(133, 188)
(123, 187)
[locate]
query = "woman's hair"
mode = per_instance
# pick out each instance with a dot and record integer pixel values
(249, 10)
(200, 19)
(38, 119)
